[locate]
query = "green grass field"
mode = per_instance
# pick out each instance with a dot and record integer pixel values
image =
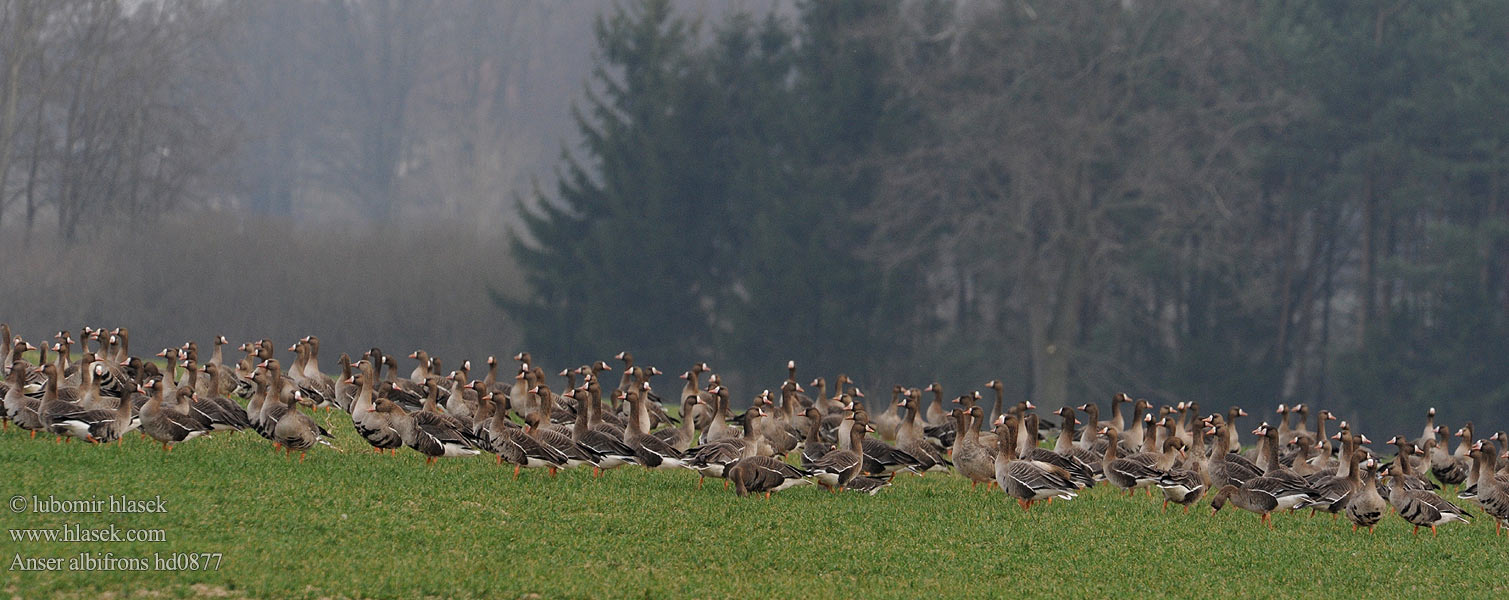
(358, 525)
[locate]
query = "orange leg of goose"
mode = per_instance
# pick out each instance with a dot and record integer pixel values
(1165, 503)
(725, 484)
(702, 477)
(1416, 531)
(552, 471)
(33, 434)
(301, 457)
(516, 471)
(1432, 531)
(767, 495)
(597, 472)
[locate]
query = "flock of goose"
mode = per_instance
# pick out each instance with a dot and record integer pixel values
(107, 392)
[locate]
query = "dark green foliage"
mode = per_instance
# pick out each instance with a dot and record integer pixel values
(708, 215)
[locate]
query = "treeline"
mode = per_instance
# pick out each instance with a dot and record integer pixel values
(1233, 203)
(114, 111)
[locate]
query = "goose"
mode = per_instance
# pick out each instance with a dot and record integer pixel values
(1430, 428)
(295, 430)
(909, 439)
(67, 420)
(681, 436)
(433, 435)
(1301, 414)
(379, 428)
(881, 458)
(576, 454)
(163, 424)
(700, 414)
(611, 450)
(1336, 490)
(1224, 467)
(717, 428)
(1366, 506)
(213, 408)
(763, 474)
(1450, 469)
(835, 469)
(1134, 434)
(319, 388)
(1027, 480)
(712, 460)
(1285, 485)
(518, 448)
(1492, 494)
(1254, 501)
(813, 446)
(935, 411)
(1065, 444)
(21, 409)
(866, 485)
(1184, 486)
(1141, 470)
(972, 459)
(1421, 508)
(778, 430)
(1285, 428)
(1232, 414)
(345, 392)
(1115, 421)
(1082, 474)
(651, 452)
(1410, 459)
(888, 422)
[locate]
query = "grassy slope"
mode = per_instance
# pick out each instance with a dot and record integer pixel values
(361, 525)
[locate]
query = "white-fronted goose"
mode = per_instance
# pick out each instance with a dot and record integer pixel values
(1224, 467)
(1065, 443)
(345, 391)
(681, 436)
(866, 485)
(295, 430)
(1254, 501)
(1080, 473)
(380, 429)
(21, 409)
(1366, 506)
(1139, 470)
(65, 419)
(909, 439)
(835, 469)
(651, 452)
(1336, 490)
(214, 409)
(971, 459)
(519, 449)
(888, 422)
(1184, 486)
(162, 423)
(813, 446)
(1492, 493)
(611, 450)
(1027, 480)
(712, 460)
(936, 414)
(1421, 508)
(764, 475)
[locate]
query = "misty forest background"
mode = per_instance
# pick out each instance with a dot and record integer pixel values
(1245, 202)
